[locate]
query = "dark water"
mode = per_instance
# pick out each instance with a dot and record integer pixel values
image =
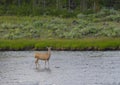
(66, 68)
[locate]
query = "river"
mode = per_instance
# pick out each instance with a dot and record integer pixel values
(65, 68)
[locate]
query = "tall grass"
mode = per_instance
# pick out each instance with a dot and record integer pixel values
(62, 44)
(16, 27)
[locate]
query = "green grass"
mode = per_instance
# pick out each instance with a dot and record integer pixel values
(62, 44)
(85, 32)
(41, 27)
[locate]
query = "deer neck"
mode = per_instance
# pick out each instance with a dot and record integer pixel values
(49, 51)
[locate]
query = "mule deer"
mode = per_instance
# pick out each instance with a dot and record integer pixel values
(43, 56)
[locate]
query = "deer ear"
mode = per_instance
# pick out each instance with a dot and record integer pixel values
(48, 47)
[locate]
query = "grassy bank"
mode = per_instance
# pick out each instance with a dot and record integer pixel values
(99, 31)
(105, 23)
(62, 44)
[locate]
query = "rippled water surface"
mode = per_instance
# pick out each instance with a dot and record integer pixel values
(66, 68)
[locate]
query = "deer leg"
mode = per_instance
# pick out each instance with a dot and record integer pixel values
(45, 62)
(36, 65)
(48, 62)
(36, 62)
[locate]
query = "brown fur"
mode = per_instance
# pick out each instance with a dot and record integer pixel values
(43, 56)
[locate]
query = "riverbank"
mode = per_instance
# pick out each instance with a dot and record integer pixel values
(45, 27)
(61, 44)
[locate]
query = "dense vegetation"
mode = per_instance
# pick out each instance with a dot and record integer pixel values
(106, 23)
(62, 24)
(100, 31)
(63, 8)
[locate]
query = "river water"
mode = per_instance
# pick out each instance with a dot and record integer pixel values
(65, 68)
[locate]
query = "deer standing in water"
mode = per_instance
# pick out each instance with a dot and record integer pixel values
(43, 56)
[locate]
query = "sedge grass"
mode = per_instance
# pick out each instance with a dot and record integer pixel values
(62, 44)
